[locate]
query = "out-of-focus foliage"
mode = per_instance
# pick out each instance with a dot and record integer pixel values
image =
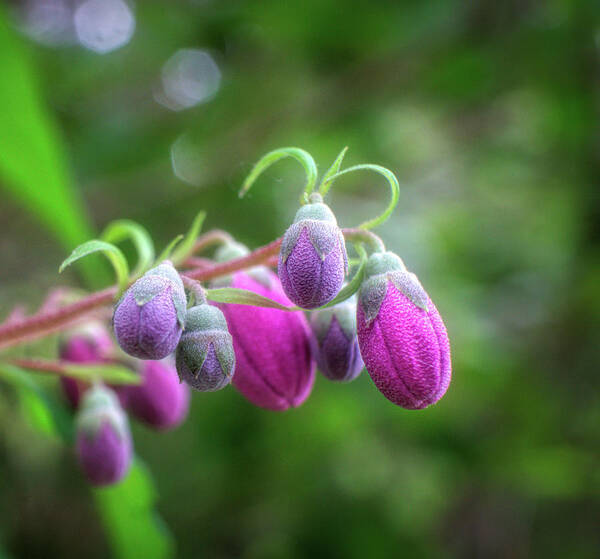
(487, 112)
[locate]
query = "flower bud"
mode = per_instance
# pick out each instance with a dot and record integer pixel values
(313, 260)
(402, 338)
(149, 318)
(205, 358)
(103, 443)
(160, 401)
(274, 366)
(335, 345)
(90, 343)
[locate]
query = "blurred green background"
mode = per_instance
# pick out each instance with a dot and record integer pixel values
(487, 112)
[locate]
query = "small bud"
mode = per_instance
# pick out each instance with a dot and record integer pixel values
(335, 345)
(90, 343)
(103, 444)
(274, 366)
(161, 401)
(313, 260)
(205, 358)
(402, 338)
(149, 318)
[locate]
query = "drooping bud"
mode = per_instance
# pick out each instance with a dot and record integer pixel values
(402, 338)
(103, 444)
(313, 260)
(90, 343)
(335, 345)
(205, 359)
(274, 366)
(149, 318)
(160, 401)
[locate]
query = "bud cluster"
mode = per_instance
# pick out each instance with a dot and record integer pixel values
(268, 354)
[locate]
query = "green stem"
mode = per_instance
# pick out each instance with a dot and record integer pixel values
(394, 188)
(266, 161)
(372, 241)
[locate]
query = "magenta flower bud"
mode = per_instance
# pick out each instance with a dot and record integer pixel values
(149, 318)
(274, 366)
(402, 338)
(335, 345)
(90, 343)
(313, 260)
(205, 358)
(103, 443)
(161, 401)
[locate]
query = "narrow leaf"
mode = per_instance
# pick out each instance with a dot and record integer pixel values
(110, 373)
(131, 523)
(244, 297)
(187, 245)
(33, 166)
(166, 253)
(122, 229)
(110, 251)
(335, 167)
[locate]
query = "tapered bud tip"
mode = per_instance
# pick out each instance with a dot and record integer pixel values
(205, 358)
(230, 251)
(382, 262)
(103, 442)
(149, 318)
(160, 401)
(334, 344)
(317, 211)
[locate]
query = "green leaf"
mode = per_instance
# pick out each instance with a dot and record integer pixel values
(115, 256)
(108, 372)
(43, 412)
(354, 284)
(122, 229)
(244, 297)
(186, 247)
(32, 157)
(335, 167)
(127, 511)
(166, 253)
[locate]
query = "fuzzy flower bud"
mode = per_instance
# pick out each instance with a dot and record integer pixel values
(205, 358)
(103, 443)
(149, 318)
(90, 343)
(335, 345)
(274, 366)
(402, 338)
(161, 401)
(313, 260)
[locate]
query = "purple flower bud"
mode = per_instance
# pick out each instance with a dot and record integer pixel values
(90, 343)
(334, 344)
(205, 358)
(161, 401)
(274, 366)
(402, 338)
(313, 260)
(103, 444)
(149, 318)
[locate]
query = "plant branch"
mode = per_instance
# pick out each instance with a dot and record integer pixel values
(48, 321)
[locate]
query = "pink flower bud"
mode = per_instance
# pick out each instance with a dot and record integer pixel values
(161, 401)
(402, 338)
(274, 367)
(103, 443)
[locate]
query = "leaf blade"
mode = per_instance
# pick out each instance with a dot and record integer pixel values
(122, 229)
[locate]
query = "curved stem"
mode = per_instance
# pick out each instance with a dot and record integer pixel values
(394, 188)
(267, 160)
(369, 239)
